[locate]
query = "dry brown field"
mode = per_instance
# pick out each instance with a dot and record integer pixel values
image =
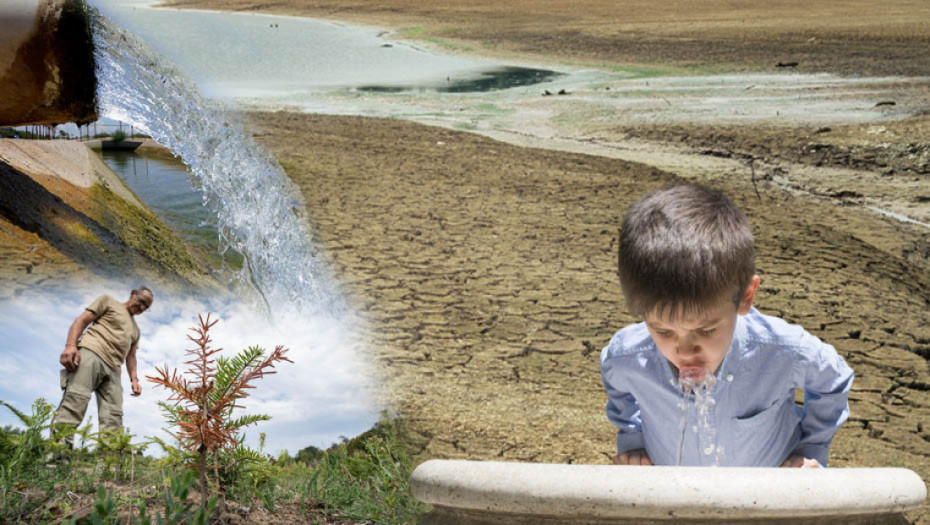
(858, 37)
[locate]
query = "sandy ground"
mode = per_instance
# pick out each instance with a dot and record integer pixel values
(488, 272)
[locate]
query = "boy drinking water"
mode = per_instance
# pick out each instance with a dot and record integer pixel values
(686, 265)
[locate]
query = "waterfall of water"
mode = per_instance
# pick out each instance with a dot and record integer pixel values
(257, 208)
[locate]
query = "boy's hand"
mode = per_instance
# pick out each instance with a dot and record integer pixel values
(633, 457)
(796, 461)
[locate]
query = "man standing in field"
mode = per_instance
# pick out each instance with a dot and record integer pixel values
(93, 359)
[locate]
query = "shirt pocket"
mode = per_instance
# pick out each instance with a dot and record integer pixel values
(762, 438)
(759, 418)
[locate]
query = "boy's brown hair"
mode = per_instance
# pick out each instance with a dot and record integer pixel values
(682, 250)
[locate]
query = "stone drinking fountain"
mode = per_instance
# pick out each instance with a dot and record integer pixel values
(486, 492)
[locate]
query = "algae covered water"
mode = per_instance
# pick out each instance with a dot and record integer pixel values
(167, 188)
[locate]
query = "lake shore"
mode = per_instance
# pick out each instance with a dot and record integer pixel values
(886, 37)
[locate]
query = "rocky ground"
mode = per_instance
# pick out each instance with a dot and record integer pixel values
(488, 272)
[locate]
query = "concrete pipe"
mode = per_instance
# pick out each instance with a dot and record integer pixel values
(46, 63)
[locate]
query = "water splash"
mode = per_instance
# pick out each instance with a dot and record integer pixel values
(258, 209)
(696, 401)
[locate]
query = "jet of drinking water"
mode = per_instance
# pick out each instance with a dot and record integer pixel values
(697, 396)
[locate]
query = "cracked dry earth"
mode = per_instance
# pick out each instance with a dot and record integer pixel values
(487, 273)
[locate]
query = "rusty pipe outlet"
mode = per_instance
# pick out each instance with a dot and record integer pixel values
(46, 63)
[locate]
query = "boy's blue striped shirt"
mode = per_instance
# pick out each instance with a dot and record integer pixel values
(757, 421)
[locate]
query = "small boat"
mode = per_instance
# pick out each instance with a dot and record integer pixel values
(122, 145)
(119, 145)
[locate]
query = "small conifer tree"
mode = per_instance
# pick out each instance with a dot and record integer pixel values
(205, 395)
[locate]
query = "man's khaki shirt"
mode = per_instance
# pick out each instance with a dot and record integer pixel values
(113, 333)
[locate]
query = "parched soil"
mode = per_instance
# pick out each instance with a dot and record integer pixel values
(884, 37)
(895, 149)
(883, 165)
(488, 273)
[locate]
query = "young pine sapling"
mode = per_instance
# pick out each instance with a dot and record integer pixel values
(206, 393)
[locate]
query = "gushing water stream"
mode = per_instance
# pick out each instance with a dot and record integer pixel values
(258, 209)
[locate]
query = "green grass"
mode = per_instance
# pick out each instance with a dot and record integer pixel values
(492, 108)
(365, 478)
(412, 32)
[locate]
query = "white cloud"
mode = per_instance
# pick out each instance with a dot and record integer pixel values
(323, 394)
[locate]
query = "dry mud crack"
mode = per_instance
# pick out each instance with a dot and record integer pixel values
(487, 271)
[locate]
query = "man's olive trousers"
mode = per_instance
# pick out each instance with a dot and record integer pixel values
(93, 375)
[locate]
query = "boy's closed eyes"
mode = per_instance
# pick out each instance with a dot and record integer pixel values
(698, 342)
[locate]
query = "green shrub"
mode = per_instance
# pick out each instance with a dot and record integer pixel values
(24, 454)
(309, 455)
(118, 136)
(366, 478)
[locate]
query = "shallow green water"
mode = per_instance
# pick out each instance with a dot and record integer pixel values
(165, 187)
(488, 80)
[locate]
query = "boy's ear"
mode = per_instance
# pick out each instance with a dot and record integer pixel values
(749, 296)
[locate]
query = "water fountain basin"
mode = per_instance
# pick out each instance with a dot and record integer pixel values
(478, 492)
